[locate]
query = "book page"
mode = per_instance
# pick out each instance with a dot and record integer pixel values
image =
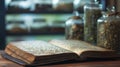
(39, 48)
(38, 52)
(77, 46)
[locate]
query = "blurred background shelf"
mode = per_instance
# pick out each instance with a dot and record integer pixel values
(32, 34)
(39, 12)
(47, 37)
(30, 16)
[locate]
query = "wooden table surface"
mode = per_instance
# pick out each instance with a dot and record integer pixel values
(105, 63)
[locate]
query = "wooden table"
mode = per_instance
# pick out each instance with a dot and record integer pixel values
(105, 63)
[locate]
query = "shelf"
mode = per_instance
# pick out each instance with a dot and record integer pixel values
(39, 12)
(35, 34)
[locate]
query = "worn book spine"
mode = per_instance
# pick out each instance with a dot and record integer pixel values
(20, 54)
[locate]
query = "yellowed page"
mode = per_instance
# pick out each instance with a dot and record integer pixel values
(76, 46)
(39, 48)
(30, 50)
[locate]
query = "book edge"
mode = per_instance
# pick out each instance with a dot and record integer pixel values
(99, 54)
(16, 52)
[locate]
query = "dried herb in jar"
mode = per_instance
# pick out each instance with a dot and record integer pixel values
(108, 34)
(74, 28)
(91, 14)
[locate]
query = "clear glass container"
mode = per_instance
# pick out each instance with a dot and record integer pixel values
(108, 34)
(39, 25)
(57, 26)
(92, 12)
(43, 5)
(16, 27)
(63, 5)
(19, 5)
(74, 28)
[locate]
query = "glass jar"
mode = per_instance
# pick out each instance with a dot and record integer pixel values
(19, 5)
(16, 27)
(92, 12)
(74, 28)
(63, 5)
(57, 26)
(108, 34)
(39, 26)
(43, 5)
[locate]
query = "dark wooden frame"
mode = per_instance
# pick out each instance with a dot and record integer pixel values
(2, 24)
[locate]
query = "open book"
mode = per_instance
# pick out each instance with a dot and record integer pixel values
(41, 52)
